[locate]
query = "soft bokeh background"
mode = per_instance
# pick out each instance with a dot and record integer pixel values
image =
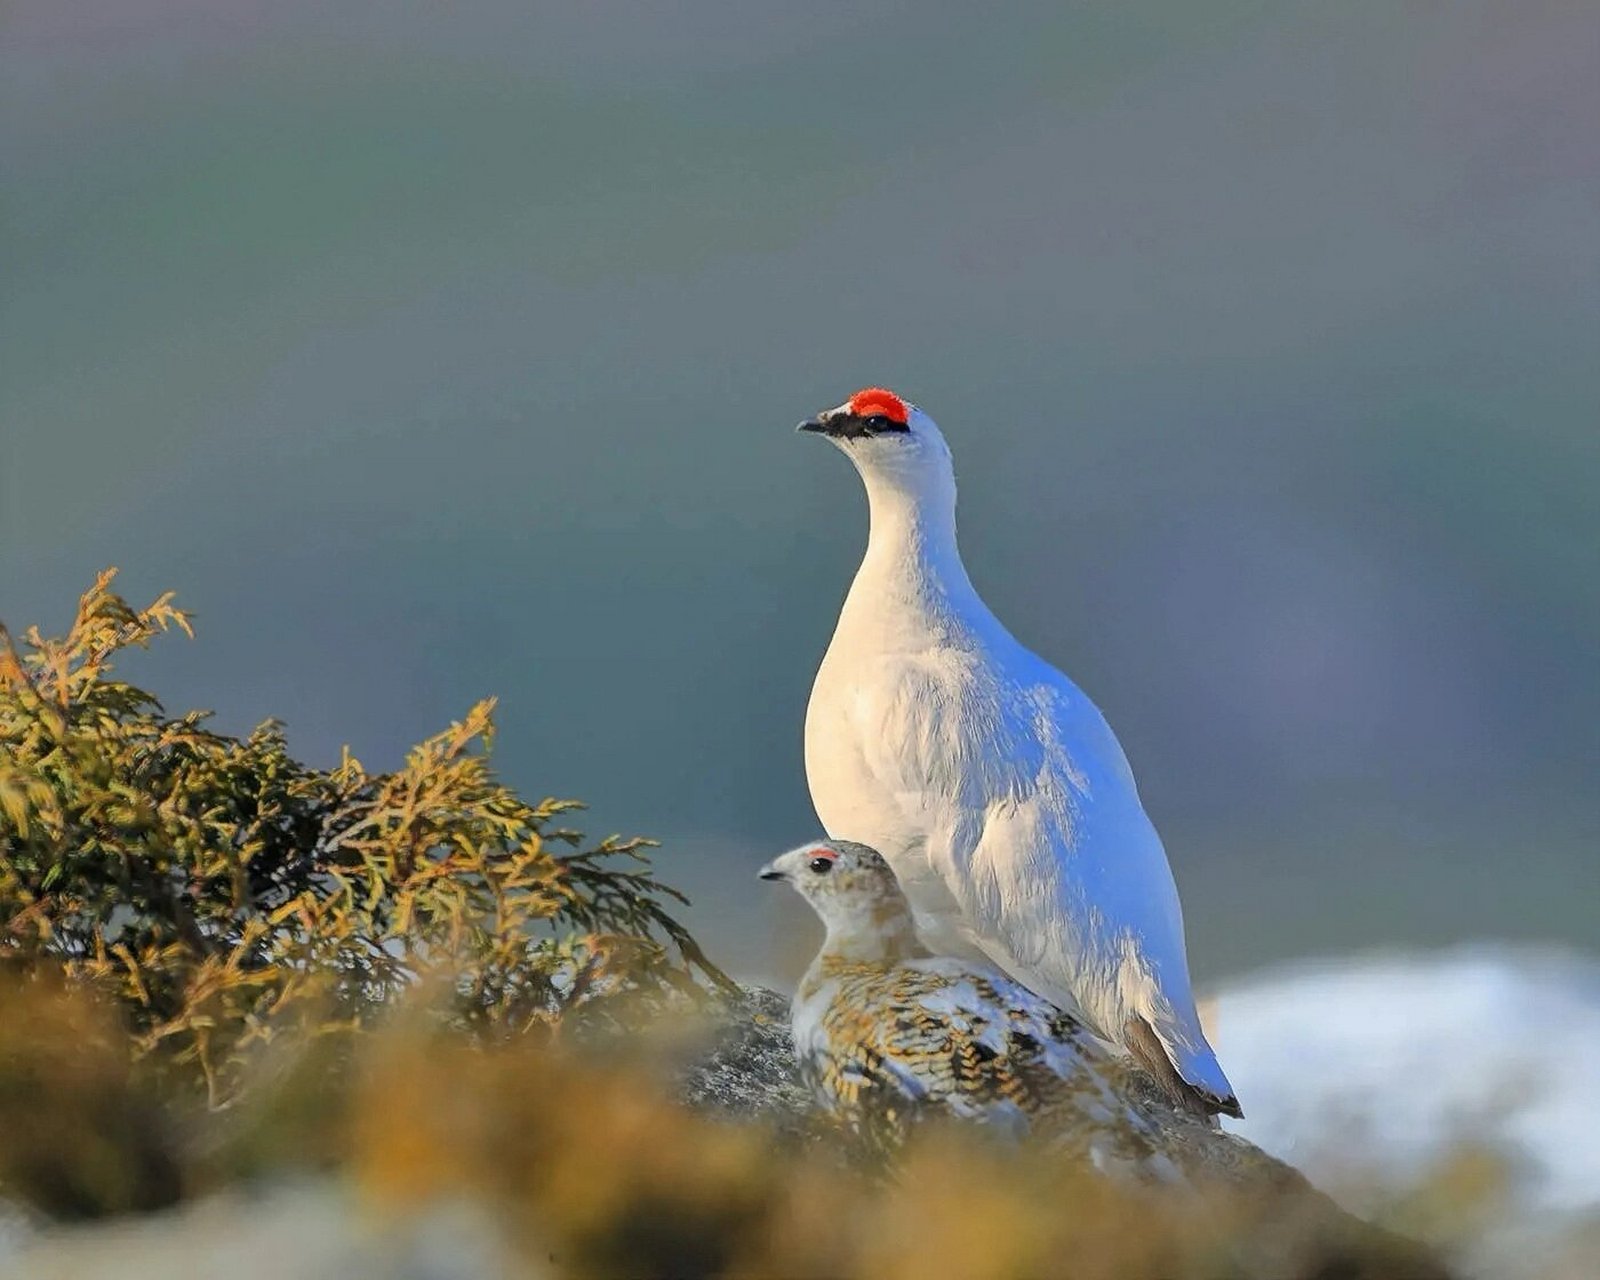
(435, 351)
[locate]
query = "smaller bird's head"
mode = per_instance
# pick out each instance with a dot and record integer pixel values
(887, 438)
(852, 888)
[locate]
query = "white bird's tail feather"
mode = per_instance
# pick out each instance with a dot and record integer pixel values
(1189, 1074)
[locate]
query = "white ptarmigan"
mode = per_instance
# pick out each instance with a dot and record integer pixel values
(887, 1034)
(992, 785)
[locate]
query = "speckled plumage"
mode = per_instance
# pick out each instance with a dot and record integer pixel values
(887, 1034)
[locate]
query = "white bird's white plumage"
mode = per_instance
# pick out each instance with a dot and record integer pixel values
(992, 785)
(887, 1034)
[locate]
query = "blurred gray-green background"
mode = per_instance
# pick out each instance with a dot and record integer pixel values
(437, 351)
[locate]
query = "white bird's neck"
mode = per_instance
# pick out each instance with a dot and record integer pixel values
(911, 580)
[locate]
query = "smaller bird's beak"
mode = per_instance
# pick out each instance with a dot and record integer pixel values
(771, 872)
(814, 425)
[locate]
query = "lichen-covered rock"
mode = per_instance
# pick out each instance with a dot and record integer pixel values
(749, 1070)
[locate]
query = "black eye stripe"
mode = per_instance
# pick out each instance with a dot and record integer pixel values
(852, 426)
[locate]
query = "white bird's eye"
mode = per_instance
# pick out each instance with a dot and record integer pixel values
(821, 866)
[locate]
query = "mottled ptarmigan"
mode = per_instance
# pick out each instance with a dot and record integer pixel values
(993, 786)
(887, 1034)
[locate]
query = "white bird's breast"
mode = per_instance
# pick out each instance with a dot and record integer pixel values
(1001, 798)
(849, 715)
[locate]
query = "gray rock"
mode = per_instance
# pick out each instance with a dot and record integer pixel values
(749, 1070)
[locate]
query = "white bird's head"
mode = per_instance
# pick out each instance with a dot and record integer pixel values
(892, 443)
(852, 888)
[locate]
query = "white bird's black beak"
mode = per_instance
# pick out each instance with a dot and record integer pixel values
(770, 872)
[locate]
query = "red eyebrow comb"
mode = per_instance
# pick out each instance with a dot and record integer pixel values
(873, 402)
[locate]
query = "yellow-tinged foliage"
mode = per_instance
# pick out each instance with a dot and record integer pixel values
(226, 895)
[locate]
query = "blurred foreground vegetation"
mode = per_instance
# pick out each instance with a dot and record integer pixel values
(222, 968)
(586, 1166)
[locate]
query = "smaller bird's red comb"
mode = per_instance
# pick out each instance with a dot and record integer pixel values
(872, 402)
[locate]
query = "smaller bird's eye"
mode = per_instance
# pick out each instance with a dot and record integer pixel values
(878, 422)
(822, 865)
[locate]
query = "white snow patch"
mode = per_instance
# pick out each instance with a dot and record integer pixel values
(1367, 1072)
